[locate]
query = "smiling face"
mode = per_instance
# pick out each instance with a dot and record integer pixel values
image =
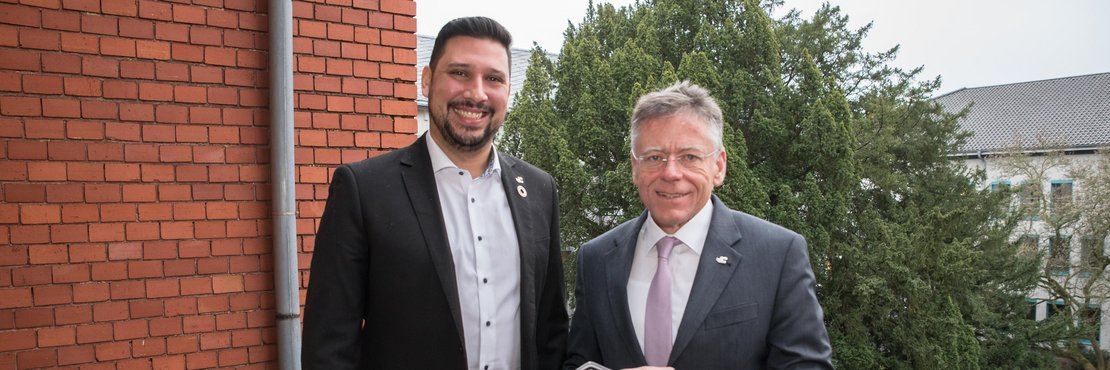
(467, 91)
(674, 193)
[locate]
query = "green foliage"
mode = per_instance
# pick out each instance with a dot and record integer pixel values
(914, 265)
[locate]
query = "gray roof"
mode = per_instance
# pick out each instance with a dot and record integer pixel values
(521, 59)
(1069, 112)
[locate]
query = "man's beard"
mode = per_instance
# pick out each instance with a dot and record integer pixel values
(466, 144)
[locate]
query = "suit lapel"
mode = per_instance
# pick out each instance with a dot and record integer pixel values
(531, 258)
(619, 265)
(420, 184)
(712, 277)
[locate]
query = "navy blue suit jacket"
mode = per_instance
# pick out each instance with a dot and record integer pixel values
(757, 311)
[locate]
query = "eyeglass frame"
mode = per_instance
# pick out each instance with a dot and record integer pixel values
(677, 158)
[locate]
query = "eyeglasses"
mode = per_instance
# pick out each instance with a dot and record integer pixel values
(656, 160)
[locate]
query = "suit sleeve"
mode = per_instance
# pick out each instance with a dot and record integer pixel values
(336, 298)
(797, 337)
(552, 336)
(582, 344)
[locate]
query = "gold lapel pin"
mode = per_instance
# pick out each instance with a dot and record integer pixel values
(520, 190)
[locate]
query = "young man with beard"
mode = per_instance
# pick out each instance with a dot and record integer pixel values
(443, 254)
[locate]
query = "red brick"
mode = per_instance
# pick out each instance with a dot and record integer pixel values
(148, 347)
(20, 106)
(94, 292)
(91, 6)
(53, 337)
(146, 308)
(46, 254)
(199, 324)
(19, 15)
(155, 91)
(24, 193)
(59, 20)
(135, 28)
(171, 32)
(163, 326)
(22, 60)
(17, 340)
(144, 269)
(73, 314)
(185, 52)
(78, 171)
(38, 358)
(137, 69)
(73, 273)
(153, 50)
(42, 84)
(35, 317)
(112, 351)
(190, 94)
(102, 193)
(128, 289)
(188, 14)
(107, 233)
(103, 25)
(157, 173)
(87, 253)
(109, 271)
(39, 39)
(100, 67)
(155, 10)
(52, 294)
(117, 46)
(110, 311)
(94, 333)
(217, 340)
(34, 275)
(76, 355)
(69, 233)
(123, 8)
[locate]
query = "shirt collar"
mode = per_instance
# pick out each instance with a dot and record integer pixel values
(692, 234)
(440, 161)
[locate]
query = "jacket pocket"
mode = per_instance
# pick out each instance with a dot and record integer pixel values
(732, 315)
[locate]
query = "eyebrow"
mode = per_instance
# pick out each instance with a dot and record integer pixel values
(467, 65)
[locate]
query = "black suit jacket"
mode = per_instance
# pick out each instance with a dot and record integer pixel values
(382, 257)
(756, 309)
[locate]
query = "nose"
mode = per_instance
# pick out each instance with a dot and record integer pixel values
(476, 90)
(672, 170)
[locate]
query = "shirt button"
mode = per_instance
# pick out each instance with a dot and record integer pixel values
(479, 238)
(471, 200)
(484, 280)
(461, 173)
(487, 367)
(487, 323)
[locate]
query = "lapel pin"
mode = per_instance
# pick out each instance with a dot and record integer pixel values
(722, 260)
(520, 190)
(520, 180)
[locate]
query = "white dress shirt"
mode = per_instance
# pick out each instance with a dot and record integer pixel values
(683, 262)
(486, 253)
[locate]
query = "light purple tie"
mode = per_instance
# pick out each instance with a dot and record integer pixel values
(657, 317)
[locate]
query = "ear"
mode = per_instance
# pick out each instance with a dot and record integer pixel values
(425, 80)
(722, 165)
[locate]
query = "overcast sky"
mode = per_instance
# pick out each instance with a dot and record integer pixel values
(969, 43)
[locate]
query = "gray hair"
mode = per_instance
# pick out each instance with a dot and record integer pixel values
(682, 97)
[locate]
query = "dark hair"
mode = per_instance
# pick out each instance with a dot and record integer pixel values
(477, 27)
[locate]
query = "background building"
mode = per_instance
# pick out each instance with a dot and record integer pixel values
(1036, 138)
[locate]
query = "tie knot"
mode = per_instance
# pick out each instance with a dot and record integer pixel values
(665, 246)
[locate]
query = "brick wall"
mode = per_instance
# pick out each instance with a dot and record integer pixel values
(134, 178)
